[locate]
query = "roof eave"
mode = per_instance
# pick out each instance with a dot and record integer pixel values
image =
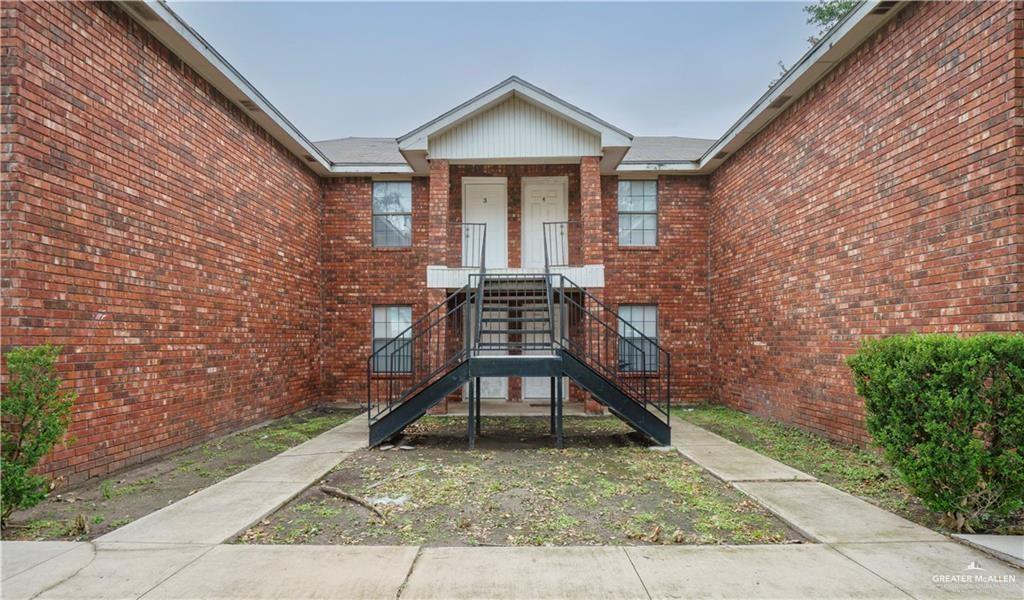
(856, 27)
(172, 31)
(680, 167)
(371, 169)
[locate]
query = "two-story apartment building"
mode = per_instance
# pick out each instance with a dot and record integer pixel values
(205, 266)
(528, 181)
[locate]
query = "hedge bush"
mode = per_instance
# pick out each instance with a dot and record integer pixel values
(949, 413)
(36, 415)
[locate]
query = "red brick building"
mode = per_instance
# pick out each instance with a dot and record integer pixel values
(206, 267)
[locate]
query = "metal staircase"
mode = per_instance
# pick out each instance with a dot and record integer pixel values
(515, 314)
(520, 325)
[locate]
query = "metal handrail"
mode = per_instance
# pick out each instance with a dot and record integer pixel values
(657, 398)
(651, 387)
(472, 239)
(584, 350)
(480, 291)
(429, 352)
(548, 289)
(424, 350)
(557, 242)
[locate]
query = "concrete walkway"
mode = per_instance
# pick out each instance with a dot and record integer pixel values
(820, 512)
(215, 514)
(883, 570)
(1007, 547)
(864, 552)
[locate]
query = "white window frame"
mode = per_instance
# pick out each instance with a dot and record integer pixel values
(387, 323)
(647, 185)
(388, 215)
(643, 318)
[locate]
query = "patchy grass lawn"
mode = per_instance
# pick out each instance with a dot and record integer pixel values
(99, 506)
(605, 487)
(861, 472)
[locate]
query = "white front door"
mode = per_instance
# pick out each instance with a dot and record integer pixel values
(544, 201)
(484, 201)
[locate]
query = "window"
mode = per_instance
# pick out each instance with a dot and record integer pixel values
(638, 213)
(634, 350)
(392, 213)
(390, 322)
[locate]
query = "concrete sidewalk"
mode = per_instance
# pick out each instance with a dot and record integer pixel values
(820, 512)
(215, 514)
(883, 570)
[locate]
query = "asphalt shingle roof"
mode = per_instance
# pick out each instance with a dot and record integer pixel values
(666, 149)
(362, 150)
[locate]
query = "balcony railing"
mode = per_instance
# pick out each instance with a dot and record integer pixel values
(563, 244)
(465, 245)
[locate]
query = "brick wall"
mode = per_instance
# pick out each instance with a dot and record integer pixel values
(153, 230)
(886, 200)
(673, 275)
(358, 276)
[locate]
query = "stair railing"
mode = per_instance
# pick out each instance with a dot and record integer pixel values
(610, 345)
(411, 360)
(427, 349)
(480, 291)
(548, 285)
(598, 336)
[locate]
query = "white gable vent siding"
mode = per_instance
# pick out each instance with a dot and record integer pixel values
(514, 128)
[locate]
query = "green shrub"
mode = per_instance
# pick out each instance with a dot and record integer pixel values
(949, 413)
(36, 415)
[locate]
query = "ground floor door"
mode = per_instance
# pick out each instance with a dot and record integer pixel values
(545, 200)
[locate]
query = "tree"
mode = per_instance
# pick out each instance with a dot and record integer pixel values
(826, 14)
(36, 414)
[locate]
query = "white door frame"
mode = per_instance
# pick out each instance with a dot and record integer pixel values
(468, 181)
(524, 184)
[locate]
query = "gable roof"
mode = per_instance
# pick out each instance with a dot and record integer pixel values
(611, 136)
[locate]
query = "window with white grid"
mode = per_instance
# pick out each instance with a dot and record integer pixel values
(391, 333)
(392, 213)
(638, 213)
(637, 353)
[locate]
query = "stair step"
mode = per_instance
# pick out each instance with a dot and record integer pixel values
(486, 331)
(514, 346)
(516, 320)
(502, 308)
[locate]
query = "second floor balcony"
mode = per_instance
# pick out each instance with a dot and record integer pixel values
(554, 245)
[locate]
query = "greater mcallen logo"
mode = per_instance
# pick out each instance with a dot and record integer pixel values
(974, 575)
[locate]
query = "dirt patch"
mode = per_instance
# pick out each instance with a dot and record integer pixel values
(606, 487)
(102, 505)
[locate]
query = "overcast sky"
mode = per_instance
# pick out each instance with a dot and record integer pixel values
(356, 69)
